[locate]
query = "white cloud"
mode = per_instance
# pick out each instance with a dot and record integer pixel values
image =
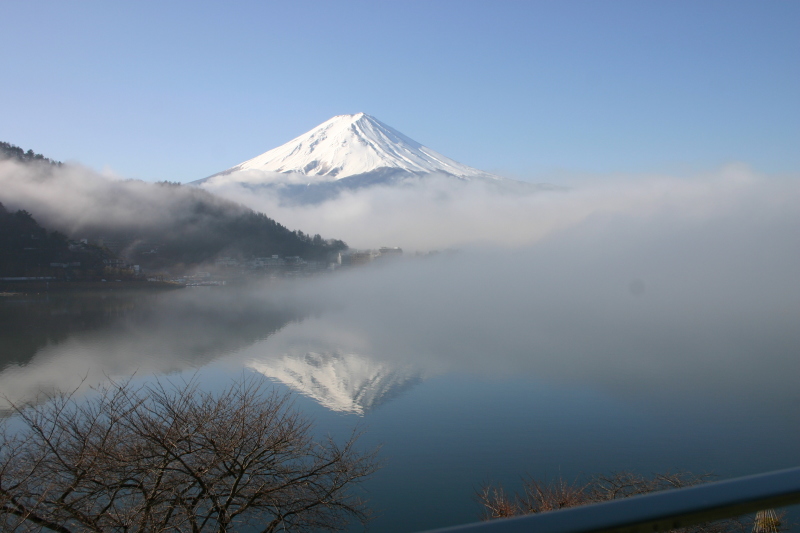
(441, 213)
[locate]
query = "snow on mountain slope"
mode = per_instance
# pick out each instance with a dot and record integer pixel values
(351, 145)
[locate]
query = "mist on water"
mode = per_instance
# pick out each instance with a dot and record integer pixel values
(664, 289)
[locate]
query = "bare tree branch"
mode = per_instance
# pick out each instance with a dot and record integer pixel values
(172, 457)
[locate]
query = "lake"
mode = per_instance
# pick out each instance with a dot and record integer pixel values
(472, 367)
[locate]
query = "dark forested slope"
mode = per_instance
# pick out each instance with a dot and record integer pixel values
(196, 227)
(29, 250)
(155, 225)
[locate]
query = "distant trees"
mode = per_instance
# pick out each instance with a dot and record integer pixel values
(26, 248)
(540, 497)
(168, 457)
(10, 151)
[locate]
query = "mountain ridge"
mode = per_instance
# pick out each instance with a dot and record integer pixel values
(348, 153)
(352, 145)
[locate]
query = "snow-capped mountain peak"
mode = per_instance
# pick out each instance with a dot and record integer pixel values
(350, 145)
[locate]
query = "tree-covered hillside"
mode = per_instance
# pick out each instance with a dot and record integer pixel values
(197, 227)
(159, 226)
(29, 250)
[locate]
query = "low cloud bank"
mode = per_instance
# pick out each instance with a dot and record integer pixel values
(74, 198)
(670, 290)
(436, 213)
(440, 213)
(259, 177)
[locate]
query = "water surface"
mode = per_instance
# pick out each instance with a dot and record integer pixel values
(471, 368)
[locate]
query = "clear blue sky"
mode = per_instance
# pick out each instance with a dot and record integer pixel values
(181, 90)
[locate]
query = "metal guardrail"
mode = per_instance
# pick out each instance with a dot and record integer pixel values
(658, 511)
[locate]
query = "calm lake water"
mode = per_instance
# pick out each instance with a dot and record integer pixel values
(470, 368)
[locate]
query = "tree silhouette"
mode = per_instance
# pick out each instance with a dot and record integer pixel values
(172, 457)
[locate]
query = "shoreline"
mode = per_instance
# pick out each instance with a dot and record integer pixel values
(13, 288)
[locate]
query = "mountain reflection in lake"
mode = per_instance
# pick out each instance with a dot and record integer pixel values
(340, 381)
(578, 356)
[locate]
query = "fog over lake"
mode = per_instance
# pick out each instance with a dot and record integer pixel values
(656, 328)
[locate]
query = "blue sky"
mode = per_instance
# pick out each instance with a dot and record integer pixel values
(533, 90)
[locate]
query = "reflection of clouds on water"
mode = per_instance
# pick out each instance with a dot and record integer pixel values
(184, 331)
(656, 303)
(161, 334)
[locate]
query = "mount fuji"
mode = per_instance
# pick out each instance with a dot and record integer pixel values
(349, 152)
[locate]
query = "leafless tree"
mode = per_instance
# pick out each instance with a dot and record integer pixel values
(539, 497)
(172, 457)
